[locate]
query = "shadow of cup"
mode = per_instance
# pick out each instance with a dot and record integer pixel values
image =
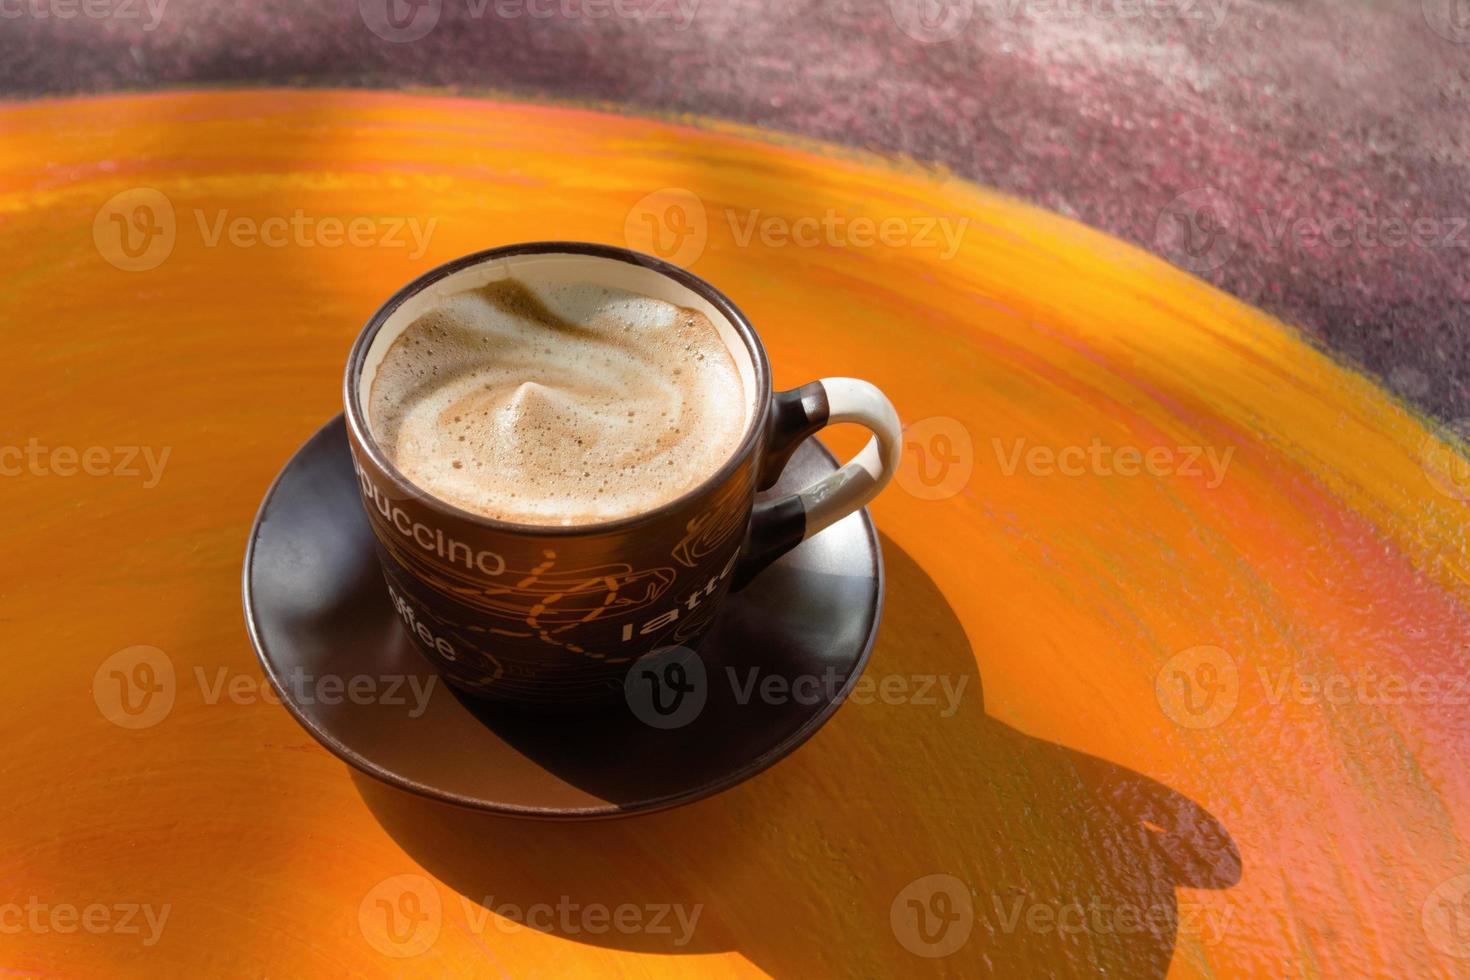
(912, 833)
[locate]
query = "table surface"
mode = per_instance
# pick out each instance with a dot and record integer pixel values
(1172, 674)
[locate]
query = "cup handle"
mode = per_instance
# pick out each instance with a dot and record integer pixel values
(777, 526)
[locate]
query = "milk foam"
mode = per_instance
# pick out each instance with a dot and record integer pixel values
(572, 404)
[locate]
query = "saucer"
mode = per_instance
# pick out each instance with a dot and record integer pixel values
(778, 662)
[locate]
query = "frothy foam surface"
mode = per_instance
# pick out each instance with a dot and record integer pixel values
(573, 404)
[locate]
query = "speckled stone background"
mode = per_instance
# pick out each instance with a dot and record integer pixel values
(1315, 152)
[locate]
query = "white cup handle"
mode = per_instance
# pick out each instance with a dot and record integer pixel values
(779, 525)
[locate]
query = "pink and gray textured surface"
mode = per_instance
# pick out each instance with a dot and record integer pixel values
(1310, 157)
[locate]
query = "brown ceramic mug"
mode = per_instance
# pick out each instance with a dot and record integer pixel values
(554, 615)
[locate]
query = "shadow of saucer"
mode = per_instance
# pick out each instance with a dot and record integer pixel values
(913, 833)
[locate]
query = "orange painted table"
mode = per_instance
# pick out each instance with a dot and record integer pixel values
(1172, 676)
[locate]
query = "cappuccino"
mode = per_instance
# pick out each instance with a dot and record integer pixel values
(566, 404)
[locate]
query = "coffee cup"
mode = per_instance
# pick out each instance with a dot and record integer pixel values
(546, 614)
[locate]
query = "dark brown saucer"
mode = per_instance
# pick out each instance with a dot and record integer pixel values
(780, 659)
